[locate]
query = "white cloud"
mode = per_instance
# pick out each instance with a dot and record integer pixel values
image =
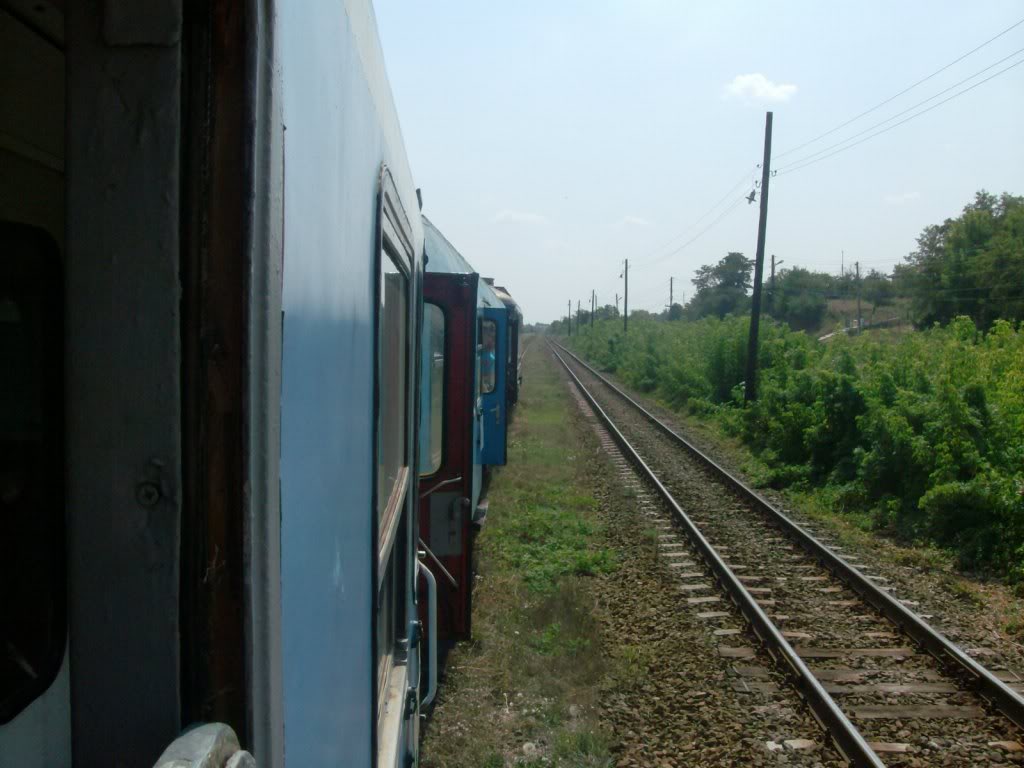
(507, 216)
(757, 87)
(902, 198)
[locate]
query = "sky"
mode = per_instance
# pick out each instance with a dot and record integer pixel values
(553, 139)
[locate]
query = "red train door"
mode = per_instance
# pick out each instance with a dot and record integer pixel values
(447, 481)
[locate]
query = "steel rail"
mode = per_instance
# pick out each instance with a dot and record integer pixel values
(847, 739)
(990, 687)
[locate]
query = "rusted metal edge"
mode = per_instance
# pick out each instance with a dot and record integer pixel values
(848, 740)
(1004, 698)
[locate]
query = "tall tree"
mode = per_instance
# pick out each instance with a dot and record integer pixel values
(722, 287)
(971, 265)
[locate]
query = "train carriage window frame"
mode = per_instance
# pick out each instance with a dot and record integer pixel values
(33, 589)
(438, 395)
(393, 380)
(488, 379)
(393, 386)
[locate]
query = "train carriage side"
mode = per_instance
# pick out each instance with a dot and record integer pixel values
(515, 323)
(450, 471)
(349, 479)
(214, 328)
(493, 325)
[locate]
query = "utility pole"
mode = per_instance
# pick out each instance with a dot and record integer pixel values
(616, 303)
(771, 292)
(593, 307)
(625, 302)
(670, 281)
(577, 317)
(755, 305)
(568, 317)
(859, 325)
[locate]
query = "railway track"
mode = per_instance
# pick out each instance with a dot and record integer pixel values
(877, 677)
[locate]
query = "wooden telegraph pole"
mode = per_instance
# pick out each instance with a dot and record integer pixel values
(568, 317)
(577, 317)
(750, 393)
(625, 302)
(860, 325)
(771, 291)
(671, 280)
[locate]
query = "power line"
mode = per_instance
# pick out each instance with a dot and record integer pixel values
(744, 178)
(792, 168)
(697, 236)
(905, 90)
(908, 109)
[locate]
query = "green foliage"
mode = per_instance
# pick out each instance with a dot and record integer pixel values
(922, 433)
(554, 641)
(583, 749)
(544, 543)
(721, 288)
(972, 265)
(878, 289)
(799, 297)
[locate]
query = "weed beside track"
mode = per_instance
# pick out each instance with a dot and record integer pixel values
(585, 651)
(525, 689)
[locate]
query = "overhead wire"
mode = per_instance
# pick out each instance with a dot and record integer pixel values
(644, 262)
(908, 109)
(799, 165)
(909, 88)
(697, 236)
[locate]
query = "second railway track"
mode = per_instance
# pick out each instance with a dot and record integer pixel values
(879, 679)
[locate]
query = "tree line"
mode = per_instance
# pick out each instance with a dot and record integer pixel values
(971, 265)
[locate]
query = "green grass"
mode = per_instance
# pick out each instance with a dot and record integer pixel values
(544, 542)
(533, 670)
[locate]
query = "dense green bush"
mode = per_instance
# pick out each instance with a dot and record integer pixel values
(923, 430)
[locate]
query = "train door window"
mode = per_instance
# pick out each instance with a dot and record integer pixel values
(488, 359)
(32, 579)
(434, 318)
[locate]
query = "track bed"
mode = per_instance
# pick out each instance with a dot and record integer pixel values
(910, 708)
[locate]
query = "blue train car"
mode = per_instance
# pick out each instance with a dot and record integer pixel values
(351, 301)
(209, 416)
(514, 376)
(494, 370)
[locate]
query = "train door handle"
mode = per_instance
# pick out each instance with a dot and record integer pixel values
(431, 631)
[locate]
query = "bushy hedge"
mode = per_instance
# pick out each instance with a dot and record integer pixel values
(923, 430)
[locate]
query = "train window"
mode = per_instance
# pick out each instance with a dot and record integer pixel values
(394, 346)
(434, 318)
(488, 356)
(392, 461)
(32, 579)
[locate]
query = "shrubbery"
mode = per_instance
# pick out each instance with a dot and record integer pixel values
(923, 430)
